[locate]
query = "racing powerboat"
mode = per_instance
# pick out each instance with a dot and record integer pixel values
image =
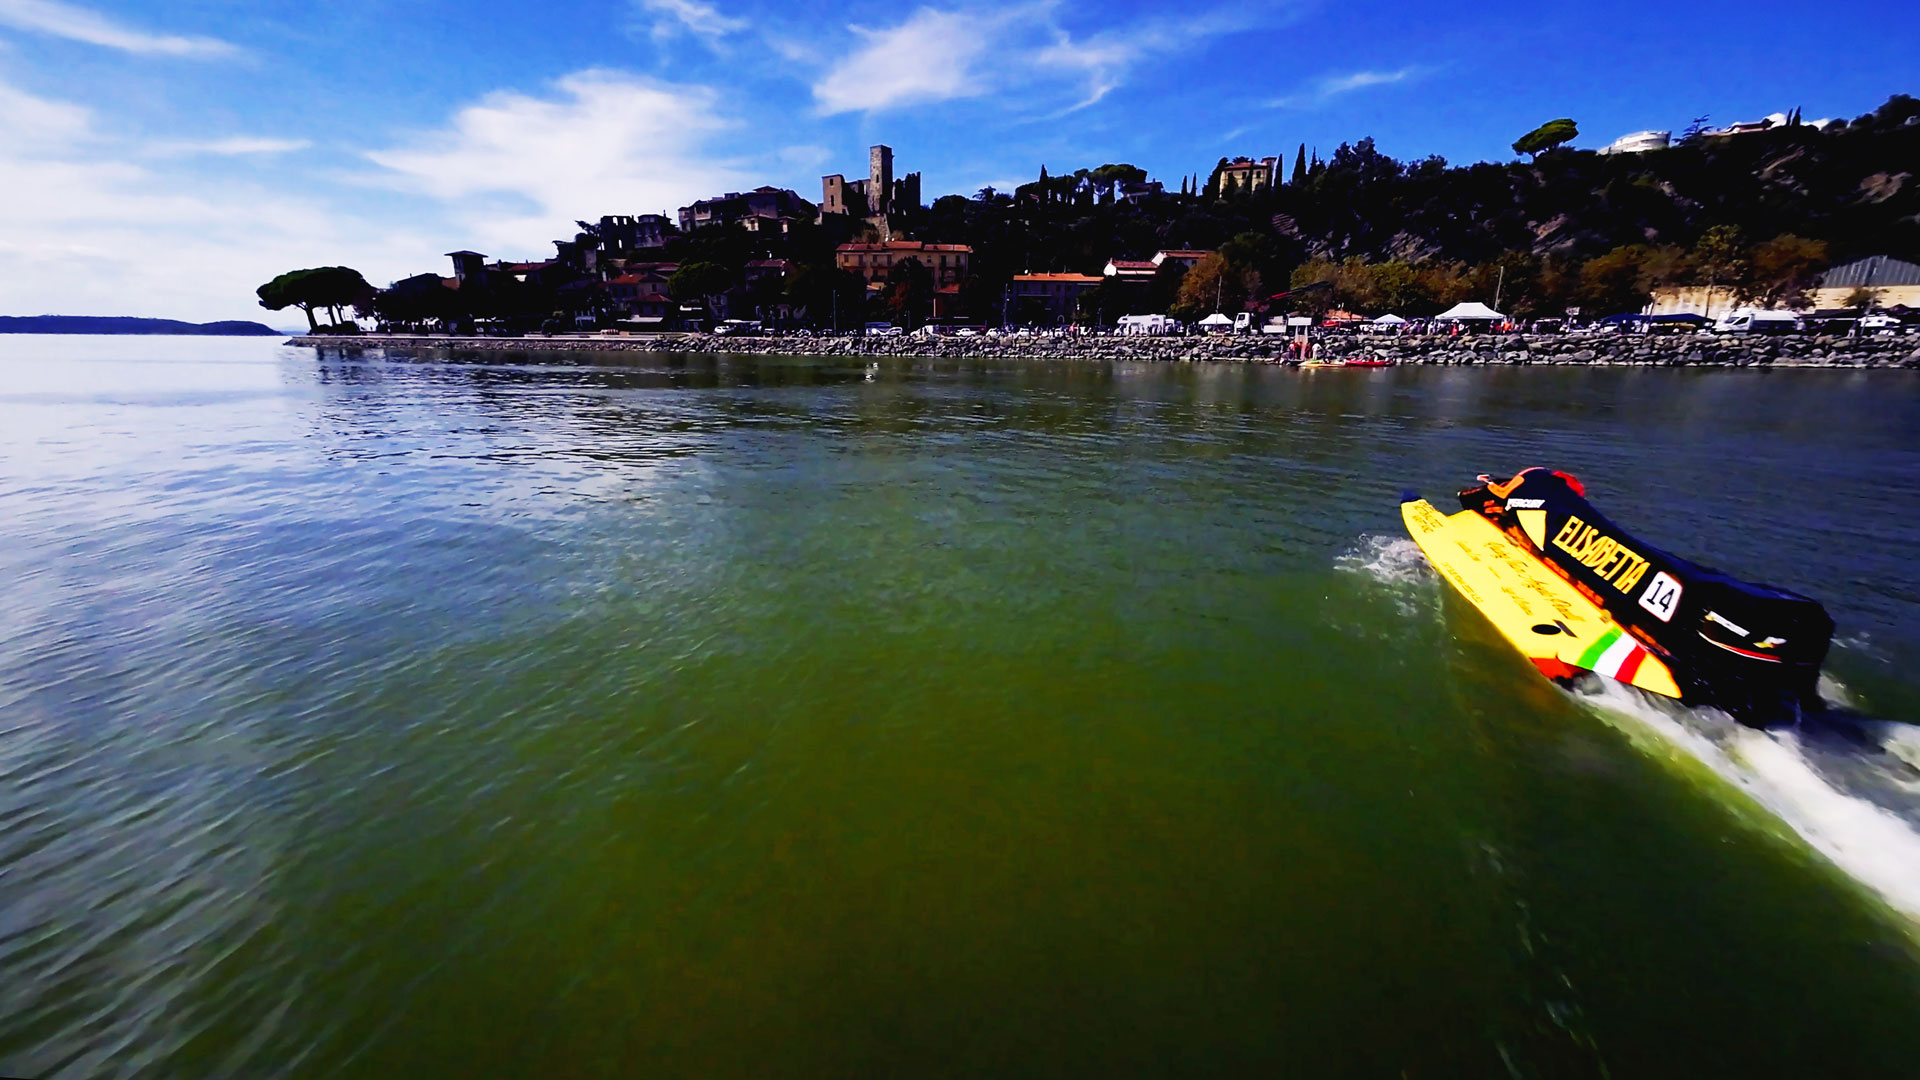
(1575, 593)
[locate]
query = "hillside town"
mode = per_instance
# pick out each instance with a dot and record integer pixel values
(1249, 246)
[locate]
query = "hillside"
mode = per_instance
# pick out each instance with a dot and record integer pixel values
(116, 324)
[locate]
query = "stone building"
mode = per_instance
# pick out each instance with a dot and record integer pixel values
(1244, 176)
(879, 199)
(1057, 294)
(1893, 283)
(764, 209)
(947, 262)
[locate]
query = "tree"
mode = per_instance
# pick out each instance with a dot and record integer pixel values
(1783, 270)
(1719, 257)
(699, 282)
(1164, 291)
(1214, 284)
(1212, 190)
(909, 290)
(1615, 283)
(986, 194)
(1300, 166)
(1103, 304)
(421, 299)
(1545, 137)
(1107, 174)
(1862, 299)
(330, 287)
(1695, 130)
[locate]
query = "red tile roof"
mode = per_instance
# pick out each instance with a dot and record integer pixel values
(905, 245)
(1088, 279)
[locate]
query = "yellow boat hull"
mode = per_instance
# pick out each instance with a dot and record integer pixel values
(1535, 609)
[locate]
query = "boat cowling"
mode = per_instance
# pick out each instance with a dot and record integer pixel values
(1752, 650)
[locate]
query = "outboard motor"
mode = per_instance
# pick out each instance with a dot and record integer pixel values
(1752, 650)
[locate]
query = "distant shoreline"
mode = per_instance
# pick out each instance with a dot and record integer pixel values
(1626, 350)
(126, 325)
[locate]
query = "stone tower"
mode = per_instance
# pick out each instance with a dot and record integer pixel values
(880, 181)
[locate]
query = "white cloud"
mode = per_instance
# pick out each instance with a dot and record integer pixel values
(28, 122)
(86, 230)
(232, 146)
(1328, 87)
(517, 169)
(1017, 51)
(79, 24)
(675, 17)
(929, 58)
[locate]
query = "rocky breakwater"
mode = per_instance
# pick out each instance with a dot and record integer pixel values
(1679, 350)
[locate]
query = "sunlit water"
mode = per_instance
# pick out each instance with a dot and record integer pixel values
(389, 716)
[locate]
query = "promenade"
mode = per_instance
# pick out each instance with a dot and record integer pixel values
(1678, 350)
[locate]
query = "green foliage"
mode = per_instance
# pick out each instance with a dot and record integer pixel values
(1616, 283)
(328, 287)
(694, 282)
(1216, 284)
(1782, 271)
(909, 292)
(1107, 174)
(1547, 136)
(1103, 304)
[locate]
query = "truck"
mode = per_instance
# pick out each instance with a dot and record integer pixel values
(1749, 320)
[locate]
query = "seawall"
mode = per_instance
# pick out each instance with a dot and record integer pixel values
(1678, 350)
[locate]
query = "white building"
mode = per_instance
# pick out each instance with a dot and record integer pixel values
(1640, 142)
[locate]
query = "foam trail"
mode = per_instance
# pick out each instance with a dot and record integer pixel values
(1869, 842)
(1396, 562)
(1872, 844)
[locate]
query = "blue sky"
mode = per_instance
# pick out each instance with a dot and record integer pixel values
(163, 158)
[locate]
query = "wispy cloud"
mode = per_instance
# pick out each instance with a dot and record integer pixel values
(1328, 87)
(938, 55)
(232, 146)
(672, 18)
(79, 24)
(28, 122)
(81, 200)
(516, 169)
(931, 57)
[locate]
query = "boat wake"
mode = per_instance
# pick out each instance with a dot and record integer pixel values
(1843, 782)
(1848, 784)
(1396, 562)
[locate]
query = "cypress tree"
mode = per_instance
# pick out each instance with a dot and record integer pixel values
(1300, 165)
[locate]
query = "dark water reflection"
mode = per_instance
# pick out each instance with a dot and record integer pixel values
(596, 715)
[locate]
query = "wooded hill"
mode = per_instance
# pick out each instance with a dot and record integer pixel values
(1760, 212)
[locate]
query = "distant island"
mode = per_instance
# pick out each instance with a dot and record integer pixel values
(112, 324)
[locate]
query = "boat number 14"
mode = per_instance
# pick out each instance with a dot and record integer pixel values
(1661, 597)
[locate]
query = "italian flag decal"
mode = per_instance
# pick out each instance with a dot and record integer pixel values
(1614, 655)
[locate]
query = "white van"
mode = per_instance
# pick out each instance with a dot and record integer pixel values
(1145, 324)
(1756, 321)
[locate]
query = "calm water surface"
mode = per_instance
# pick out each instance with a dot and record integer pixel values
(368, 715)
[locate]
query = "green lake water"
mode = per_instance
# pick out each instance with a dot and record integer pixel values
(614, 715)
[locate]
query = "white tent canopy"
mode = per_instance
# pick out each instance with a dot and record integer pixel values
(1216, 319)
(1389, 320)
(1471, 311)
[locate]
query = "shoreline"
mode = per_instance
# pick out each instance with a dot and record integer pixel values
(1678, 350)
